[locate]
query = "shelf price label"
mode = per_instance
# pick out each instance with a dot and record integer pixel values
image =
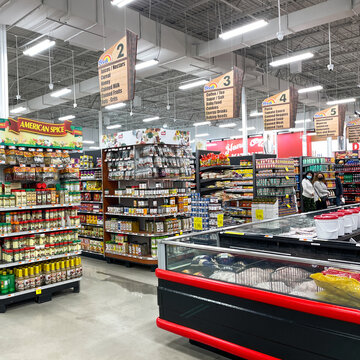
(259, 214)
(287, 178)
(220, 220)
(38, 291)
(198, 225)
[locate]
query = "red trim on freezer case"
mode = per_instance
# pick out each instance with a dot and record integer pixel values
(289, 302)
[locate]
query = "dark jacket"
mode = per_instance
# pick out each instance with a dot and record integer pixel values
(339, 187)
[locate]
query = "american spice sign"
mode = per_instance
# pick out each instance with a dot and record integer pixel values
(34, 133)
(353, 131)
(222, 96)
(116, 68)
(279, 111)
(330, 122)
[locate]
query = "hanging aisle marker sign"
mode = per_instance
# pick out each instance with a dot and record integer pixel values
(353, 131)
(116, 68)
(330, 122)
(222, 96)
(279, 111)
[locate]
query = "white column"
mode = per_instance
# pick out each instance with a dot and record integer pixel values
(329, 147)
(304, 138)
(4, 89)
(244, 121)
(100, 127)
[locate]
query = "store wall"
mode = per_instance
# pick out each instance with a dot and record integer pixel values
(290, 145)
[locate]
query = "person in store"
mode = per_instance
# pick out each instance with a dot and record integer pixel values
(339, 190)
(308, 192)
(321, 192)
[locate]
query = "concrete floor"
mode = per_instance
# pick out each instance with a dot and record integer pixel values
(113, 317)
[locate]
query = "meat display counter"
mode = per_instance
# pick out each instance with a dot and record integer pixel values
(265, 290)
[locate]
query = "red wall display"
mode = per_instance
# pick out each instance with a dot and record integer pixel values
(289, 145)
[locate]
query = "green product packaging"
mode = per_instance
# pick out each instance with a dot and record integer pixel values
(4, 283)
(11, 281)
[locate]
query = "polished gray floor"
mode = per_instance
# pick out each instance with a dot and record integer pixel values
(113, 317)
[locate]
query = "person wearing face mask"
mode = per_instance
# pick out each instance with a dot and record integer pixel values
(308, 192)
(321, 192)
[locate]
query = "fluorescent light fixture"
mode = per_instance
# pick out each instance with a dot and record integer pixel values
(88, 142)
(202, 135)
(18, 110)
(310, 89)
(311, 134)
(211, 144)
(66, 117)
(302, 121)
(228, 125)
(341, 101)
(116, 126)
(243, 29)
(292, 59)
(256, 113)
(202, 123)
(151, 119)
(38, 48)
(121, 3)
(94, 148)
(193, 84)
(249, 128)
(115, 106)
(146, 64)
(165, 126)
(60, 92)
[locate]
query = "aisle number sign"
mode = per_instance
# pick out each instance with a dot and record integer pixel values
(279, 111)
(353, 131)
(198, 225)
(330, 122)
(259, 214)
(116, 68)
(222, 96)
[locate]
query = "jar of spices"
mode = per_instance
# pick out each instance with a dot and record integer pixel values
(32, 252)
(16, 255)
(16, 226)
(23, 197)
(43, 197)
(48, 196)
(38, 197)
(27, 254)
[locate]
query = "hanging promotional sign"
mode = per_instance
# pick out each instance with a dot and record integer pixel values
(116, 68)
(33, 133)
(279, 111)
(330, 122)
(353, 131)
(235, 147)
(146, 136)
(222, 96)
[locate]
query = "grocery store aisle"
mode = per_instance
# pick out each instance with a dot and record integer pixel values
(113, 317)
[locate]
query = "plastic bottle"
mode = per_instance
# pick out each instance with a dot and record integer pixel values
(42, 274)
(77, 267)
(11, 277)
(31, 278)
(47, 274)
(4, 283)
(19, 281)
(80, 267)
(53, 273)
(68, 270)
(63, 271)
(58, 271)
(72, 268)
(37, 276)
(26, 279)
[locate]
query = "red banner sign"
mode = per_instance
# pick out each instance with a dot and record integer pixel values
(235, 147)
(39, 127)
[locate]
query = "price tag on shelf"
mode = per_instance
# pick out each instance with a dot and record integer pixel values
(287, 178)
(38, 291)
(287, 169)
(259, 214)
(198, 225)
(220, 220)
(288, 206)
(287, 196)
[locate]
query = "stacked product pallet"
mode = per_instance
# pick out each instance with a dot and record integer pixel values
(275, 186)
(146, 192)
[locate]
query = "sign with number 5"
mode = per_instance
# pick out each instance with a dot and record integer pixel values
(116, 68)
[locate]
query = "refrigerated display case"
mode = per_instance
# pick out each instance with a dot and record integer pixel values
(263, 290)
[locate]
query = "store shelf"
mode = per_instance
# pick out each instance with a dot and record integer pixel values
(146, 234)
(44, 287)
(150, 216)
(156, 179)
(275, 186)
(147, 260)
(91, 191)
(218, 167)
(97, 225)
(36, 207)
(31, 232)
(91, 237)
(90, 212)
(90, 169)
(39, 259)
(274, 176)
(93, 254)
(241, 198)
(307, 165)
(211, 189)
(202, 181)
(90, 179)
(147, 197)
(91, 202)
